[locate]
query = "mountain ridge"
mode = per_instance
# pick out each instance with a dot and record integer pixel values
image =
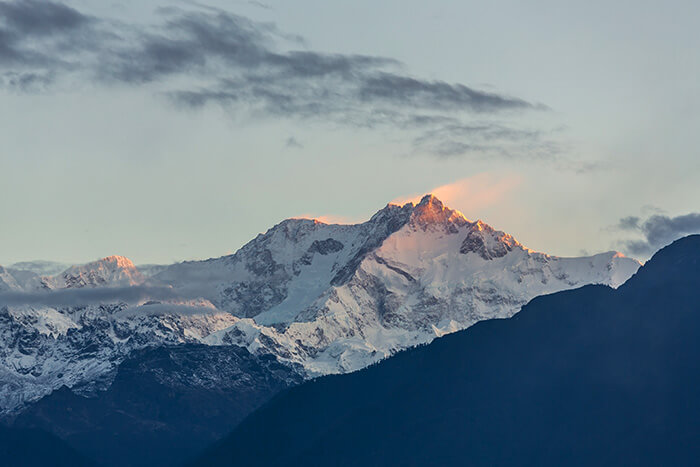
(331, 298)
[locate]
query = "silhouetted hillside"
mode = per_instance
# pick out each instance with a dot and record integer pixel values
(35, 448)
(165, 404)
(593, 376)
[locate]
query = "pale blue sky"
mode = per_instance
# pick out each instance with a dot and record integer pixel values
(91, 167)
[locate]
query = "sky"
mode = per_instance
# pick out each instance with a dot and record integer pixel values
(180, 130)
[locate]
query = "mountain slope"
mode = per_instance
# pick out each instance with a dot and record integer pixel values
(45, 348)
(164, 405)
(41, 268)
(7, 281)
(112, 271)
(592, 376)
(34, 448)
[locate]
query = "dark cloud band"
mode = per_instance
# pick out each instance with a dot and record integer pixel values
(232, 61)
(658, 231)
(87, 296)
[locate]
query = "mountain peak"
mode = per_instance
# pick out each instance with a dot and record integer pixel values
(430, 211)
(431, 200)
(109, 271)
(673, 262)
(118, 261)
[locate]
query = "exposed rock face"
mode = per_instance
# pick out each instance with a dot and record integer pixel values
(431, 214)
(487, 243)
(325, 247)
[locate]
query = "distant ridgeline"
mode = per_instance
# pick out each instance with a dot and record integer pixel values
(592, 376)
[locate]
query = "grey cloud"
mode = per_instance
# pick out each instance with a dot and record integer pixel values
(629, 223)
(639, 247)
(451, 148)
(242, 65)
(189, 42)
(581, 167)
(27, 82)
(435, 94)
(452, 138)
(40, 18)
(305, 83)
(87, 296)
(217, 43)
(262, 5)
(7, 50)
(658, 231)
(293, 143)
(33, 32)
(157, 309)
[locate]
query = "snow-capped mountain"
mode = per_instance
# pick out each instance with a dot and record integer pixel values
(112, 271)
(8, 281)
(336, 298)
(165, 404)
(41, 268)
(44, 348)
(79, 341)
(325, 298)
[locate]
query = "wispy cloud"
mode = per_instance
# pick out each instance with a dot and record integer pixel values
(157, 309)
(472, 193)
(258, 4)
(253, 68)
(293, 143)
(657, 231)
(87, 296)
(330, 218)
(32, 34)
